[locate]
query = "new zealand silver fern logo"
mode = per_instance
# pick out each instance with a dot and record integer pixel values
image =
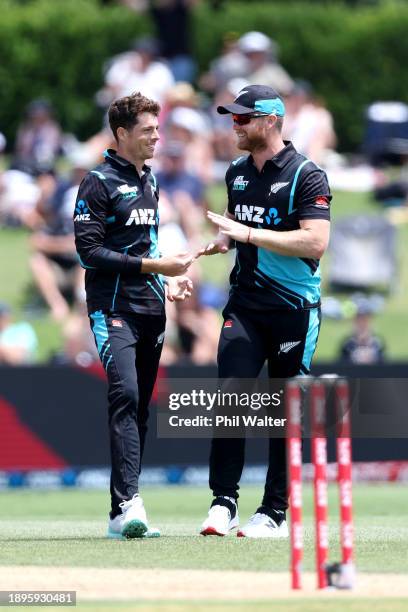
(276, 186)
(285, 347)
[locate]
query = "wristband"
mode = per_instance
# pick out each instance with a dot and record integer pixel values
(249, 235)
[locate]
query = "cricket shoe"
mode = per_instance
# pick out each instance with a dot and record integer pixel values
(263, 526)
(115, 527)
(220, 520)
(132, 523)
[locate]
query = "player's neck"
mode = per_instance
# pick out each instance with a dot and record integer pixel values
(262, 155)
(138, 163)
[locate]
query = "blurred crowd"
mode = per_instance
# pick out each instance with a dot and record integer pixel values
(44, 167)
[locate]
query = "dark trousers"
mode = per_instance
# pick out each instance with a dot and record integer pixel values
(129, 347)
(286, 340)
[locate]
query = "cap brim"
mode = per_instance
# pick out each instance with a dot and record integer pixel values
(235, 109)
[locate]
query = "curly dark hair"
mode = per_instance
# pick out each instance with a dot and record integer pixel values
(124, 111)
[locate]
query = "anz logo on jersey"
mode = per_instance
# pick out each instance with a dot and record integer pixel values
(82, 211)
(142, 216)
(257, 214)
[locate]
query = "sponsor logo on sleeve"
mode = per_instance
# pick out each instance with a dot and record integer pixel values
(82, 211)
(322, 202)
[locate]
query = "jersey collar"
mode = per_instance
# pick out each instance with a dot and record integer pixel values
(283, 157)
(112, 155)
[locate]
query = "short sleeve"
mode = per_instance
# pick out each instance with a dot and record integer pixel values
(313, 196)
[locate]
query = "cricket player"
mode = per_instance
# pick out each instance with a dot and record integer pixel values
(116, 226)
(278, 218)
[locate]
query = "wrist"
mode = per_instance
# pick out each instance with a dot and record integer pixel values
(254, 237)
(150, 266)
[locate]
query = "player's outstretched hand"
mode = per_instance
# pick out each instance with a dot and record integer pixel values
(219, 245)
(228, 227)
(175, 265)
(179, 288)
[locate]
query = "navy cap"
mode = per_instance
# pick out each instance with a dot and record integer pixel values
(255, 99)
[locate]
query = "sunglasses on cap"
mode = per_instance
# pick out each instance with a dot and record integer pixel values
(245, 119)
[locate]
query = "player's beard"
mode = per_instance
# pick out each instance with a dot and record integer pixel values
(253, 144)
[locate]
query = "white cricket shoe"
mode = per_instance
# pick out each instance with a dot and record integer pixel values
(132, 523)
(219, 521)
(115, 527)
(262, 526)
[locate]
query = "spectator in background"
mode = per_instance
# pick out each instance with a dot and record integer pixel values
(224, 141)
(181, 94)
(261, 53)
(231, 64)
(20, 190)
(54, 262)
(189, 127)
(139, 69)
(172, 21)
(309, 125)
(192, 327)
(184, 190)
(174, 176)
(78, 342)
(39, 138)
(363, 347)
(198, 324)
(18, 341)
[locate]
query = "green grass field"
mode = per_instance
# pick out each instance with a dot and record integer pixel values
(56, 529)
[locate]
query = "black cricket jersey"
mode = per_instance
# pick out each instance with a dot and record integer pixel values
(116, 223)
(288, 189)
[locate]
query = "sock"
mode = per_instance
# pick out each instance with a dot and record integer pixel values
(276, 515)
(228, 502)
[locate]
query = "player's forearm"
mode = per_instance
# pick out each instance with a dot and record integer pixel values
(100, 258)
(296, 243)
